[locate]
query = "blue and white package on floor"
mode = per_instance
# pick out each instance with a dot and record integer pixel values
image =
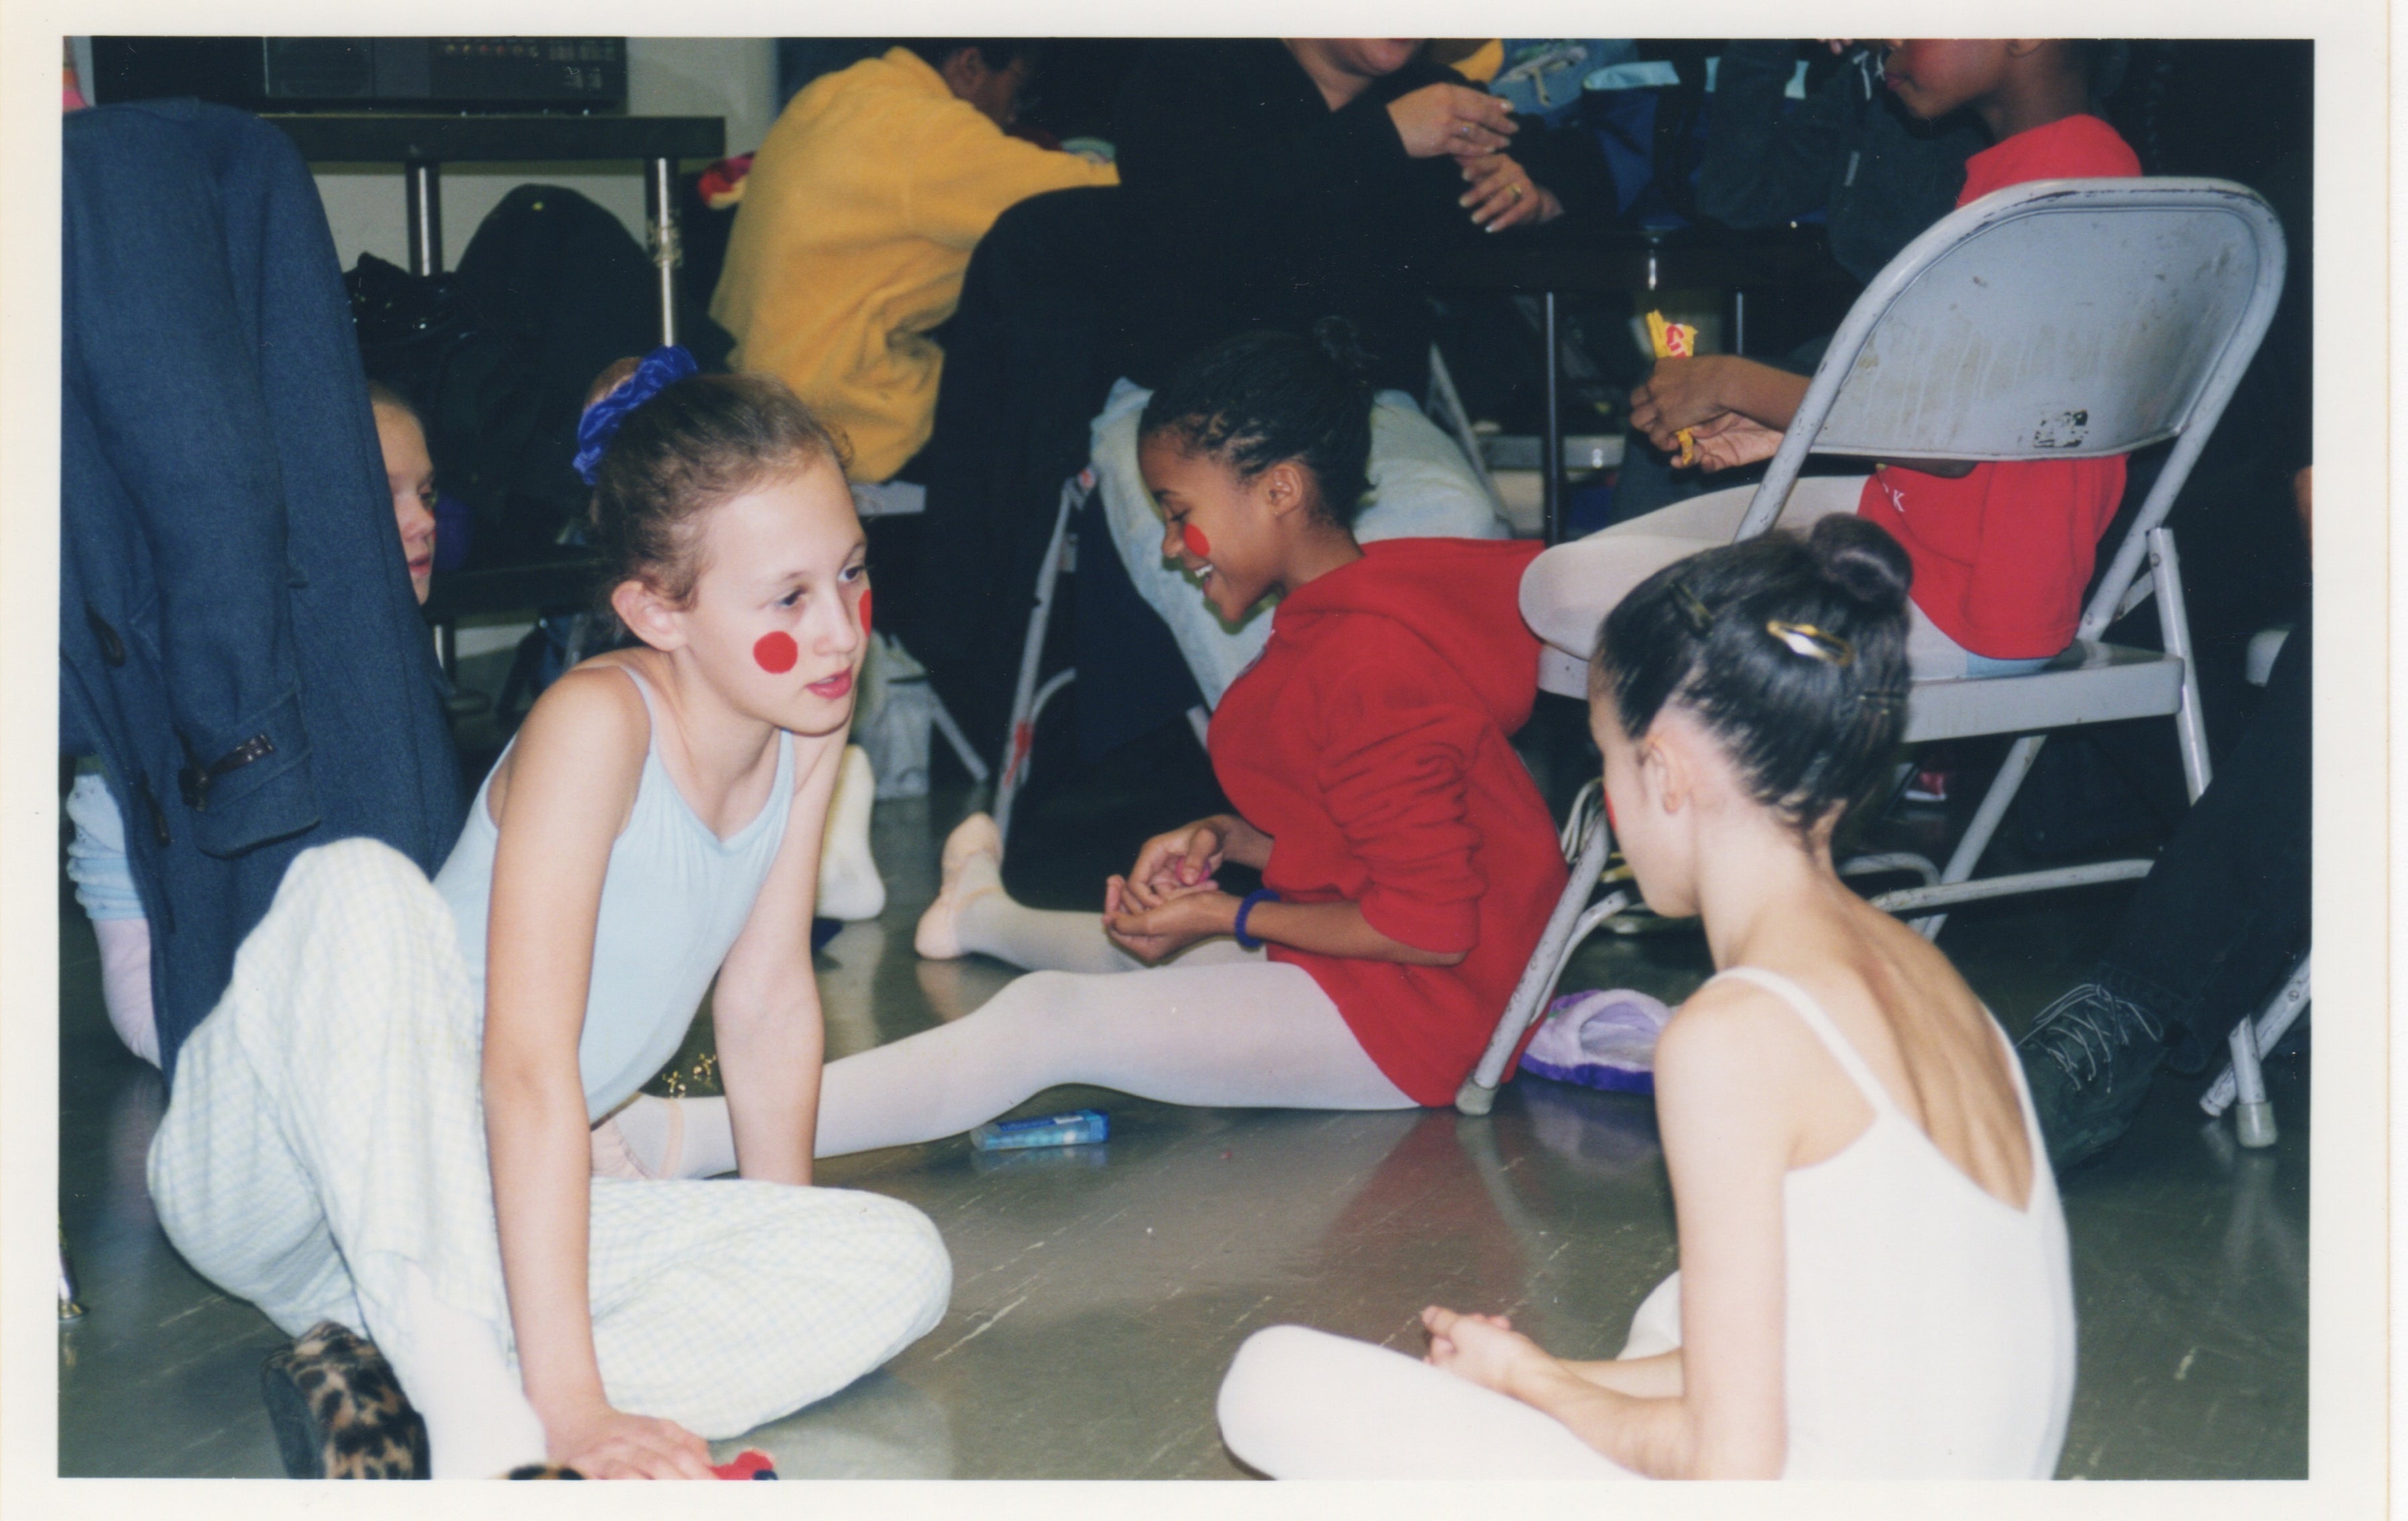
(1079, 1127)
(1601, 1039)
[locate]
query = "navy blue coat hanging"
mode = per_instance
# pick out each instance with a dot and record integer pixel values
(237, 640)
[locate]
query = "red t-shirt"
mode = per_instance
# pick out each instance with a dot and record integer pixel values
(2002, 555)
(1370, 742)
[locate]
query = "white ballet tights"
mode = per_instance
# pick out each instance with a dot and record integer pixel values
(1047, 940)
(1303, 1404)
(1219, 1027)
(125, 983)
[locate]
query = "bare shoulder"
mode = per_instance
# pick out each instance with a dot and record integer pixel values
(589, 729)
(1730, 1031)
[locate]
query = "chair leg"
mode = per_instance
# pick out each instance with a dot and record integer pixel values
(2267, 1029)
(1565, 928)
(2174, 626)
(1026, 699)
(1450, 405)
(1986, 820)
(69, 1308)
(959, 742)
(2253, 1119)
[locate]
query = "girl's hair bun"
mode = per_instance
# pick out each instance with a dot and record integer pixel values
(1862, 560)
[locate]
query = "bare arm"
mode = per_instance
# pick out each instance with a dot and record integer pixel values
(1712, 390)
(571, 780)
(1182, 918)
(1715, 1409)
(766, 1011)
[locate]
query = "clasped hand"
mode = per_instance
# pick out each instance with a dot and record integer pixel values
(1684, 393)
(1170, 899)
(1485, 1349)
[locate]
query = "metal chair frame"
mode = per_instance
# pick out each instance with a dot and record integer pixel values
(2194, 371)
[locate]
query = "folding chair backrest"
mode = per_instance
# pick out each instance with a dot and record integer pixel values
(2054, 319)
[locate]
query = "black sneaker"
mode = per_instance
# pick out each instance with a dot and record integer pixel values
(2087, 1059)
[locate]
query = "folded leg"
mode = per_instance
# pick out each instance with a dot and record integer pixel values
(1303, 1404)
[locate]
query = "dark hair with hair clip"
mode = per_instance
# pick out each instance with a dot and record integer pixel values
(699, 442)
(1792, 652)
(1262, 398)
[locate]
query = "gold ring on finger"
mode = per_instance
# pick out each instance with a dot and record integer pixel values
(1518, 191)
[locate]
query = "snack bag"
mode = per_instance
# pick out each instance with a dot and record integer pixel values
(1675, 340)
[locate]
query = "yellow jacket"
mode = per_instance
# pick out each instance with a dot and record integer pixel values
(858, 218)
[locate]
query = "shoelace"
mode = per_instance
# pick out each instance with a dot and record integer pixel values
(2092, 1021)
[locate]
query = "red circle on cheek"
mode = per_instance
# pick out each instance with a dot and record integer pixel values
(865, 593)
(1196, 543)
(776, 654)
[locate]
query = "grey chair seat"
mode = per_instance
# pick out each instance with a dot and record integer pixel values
(2091, 682)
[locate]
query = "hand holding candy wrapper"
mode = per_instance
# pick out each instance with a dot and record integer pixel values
(1675, 340)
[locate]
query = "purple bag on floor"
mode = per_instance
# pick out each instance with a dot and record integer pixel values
(1601, 1039)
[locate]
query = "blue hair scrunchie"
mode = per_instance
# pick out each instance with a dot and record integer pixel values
(657, 372)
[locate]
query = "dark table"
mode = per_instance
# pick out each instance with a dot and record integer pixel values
(1572, 256)
(422, 144)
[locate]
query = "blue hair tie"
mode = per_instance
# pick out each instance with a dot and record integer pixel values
(657, 371)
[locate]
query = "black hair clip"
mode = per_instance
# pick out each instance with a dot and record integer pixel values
(1813, 644)
(1700, 617)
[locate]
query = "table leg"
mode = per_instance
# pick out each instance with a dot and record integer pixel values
(1551, 435)
(425, 194)
(662, 185)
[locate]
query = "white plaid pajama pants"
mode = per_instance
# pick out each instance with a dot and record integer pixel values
(327, 1131)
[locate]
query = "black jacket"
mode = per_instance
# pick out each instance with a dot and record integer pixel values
(1252, 204)
(1849, 150)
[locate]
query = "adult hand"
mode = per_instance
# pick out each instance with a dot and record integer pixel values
(1178, 921)
(1485, 1349)
(1680, 394)
(1452, 119)
(1178, 860)
(604, 1443)
(1503, 194)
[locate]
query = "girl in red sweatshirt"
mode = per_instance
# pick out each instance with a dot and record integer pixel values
(1408, 861)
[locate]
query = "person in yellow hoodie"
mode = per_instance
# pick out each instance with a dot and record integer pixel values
(857, 221)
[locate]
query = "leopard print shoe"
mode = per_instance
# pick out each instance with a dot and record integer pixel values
(339, 1412)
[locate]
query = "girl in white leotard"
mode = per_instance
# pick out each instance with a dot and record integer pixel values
(1874, 1279)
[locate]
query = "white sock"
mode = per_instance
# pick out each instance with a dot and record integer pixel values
(705, 1148)
(849, 886)
(125, 983)
(452, 1368)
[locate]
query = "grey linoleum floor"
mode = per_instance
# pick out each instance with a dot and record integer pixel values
(1100, 1292)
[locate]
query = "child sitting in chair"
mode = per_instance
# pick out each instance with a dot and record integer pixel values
(2001, 552)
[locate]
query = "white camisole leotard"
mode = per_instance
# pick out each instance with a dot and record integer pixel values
(674, 898)
(1930, 1323)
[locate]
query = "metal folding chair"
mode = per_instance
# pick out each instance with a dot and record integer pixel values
(2059, 319)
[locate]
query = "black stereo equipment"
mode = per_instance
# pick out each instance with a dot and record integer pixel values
(414, 74)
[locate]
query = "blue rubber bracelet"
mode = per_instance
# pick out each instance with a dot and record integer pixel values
(1245, 907)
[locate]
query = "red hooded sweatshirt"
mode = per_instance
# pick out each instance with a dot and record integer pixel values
(1370, 742)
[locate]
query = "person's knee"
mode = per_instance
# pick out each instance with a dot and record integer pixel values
(909, 1259)
(1267, 1378)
